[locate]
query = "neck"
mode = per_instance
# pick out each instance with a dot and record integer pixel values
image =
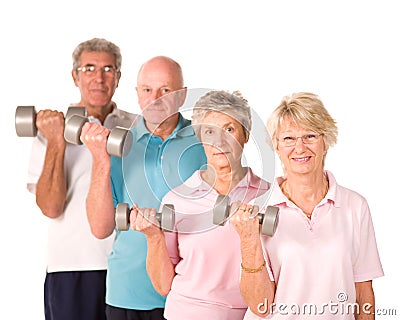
(305, 191)
(164, 129)
(223, 180)
(100, 112)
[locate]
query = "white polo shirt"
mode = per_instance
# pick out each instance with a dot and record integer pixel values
(71, 245)
(316, 262)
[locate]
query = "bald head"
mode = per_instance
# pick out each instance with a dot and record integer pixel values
(161, 70)
(160, 94)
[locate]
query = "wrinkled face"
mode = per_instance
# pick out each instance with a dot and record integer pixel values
(160, 92)
(97, 87)
(307, 153)
(223, 139)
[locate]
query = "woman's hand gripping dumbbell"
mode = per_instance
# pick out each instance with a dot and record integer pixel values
(116, 142)
(145, 220)
(237, 212)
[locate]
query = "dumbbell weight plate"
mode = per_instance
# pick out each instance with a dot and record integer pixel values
(269, 221)
(122, 213)
(167, 217)
(221, 210)
(25, 121)
(80, 111)
(73, 129)
(119, 142)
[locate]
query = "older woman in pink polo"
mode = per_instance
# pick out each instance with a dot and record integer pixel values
(198, 265)
(323, 256)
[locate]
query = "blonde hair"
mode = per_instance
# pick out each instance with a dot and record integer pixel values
(307, 111)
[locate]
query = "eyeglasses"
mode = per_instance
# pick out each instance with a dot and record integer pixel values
(310, 138)
(90, 70)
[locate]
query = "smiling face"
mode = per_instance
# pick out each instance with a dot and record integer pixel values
(301, 158)
(223, 139)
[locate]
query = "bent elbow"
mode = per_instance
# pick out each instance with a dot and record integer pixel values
(99, 233)
(164, 290)
(51, 212)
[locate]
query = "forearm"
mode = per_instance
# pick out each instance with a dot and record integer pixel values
(51, 187)
(365, 299)
(159, 266)
(99, 202)
(256, 287)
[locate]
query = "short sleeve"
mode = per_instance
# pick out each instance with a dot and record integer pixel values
(367, 264)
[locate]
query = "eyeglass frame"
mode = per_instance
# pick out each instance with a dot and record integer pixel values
(283, 143)
(110, 70)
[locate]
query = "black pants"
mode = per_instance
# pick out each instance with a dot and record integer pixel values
(76, 295)
(114, 313)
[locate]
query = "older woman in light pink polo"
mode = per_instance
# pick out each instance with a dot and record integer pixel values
(198, 266)
(323, 256)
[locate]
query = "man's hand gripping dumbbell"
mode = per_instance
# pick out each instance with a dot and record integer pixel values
(49, 122)
(97, 138)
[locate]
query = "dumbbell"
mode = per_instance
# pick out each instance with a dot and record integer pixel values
(268, 219)
(119, 141)
(25, 119)
(166, 217)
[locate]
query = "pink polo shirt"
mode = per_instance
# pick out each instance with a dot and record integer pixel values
(207, 257)
(316, 262)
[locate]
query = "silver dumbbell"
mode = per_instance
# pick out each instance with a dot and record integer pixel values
(166, 217)
(268, 219)
(119, 141)
(25, 119)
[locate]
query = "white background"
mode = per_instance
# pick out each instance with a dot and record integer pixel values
(345, 51)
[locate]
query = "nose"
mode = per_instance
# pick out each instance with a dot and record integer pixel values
(99, 74)
(155, 94)
(299, 144)
(219, 138)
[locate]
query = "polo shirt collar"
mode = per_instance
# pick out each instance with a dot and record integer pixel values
(250, 180)
(182, 129)
(277, 196)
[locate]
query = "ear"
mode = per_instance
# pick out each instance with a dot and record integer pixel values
(276, 147)
(75, 78)
(118, 78)
(326, 147)
(182, 96)
(246, 134)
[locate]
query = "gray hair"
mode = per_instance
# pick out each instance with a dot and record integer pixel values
(307, 111)
(232, 104)
(97, 45)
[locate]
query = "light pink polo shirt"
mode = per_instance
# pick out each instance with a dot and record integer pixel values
(315, 263)
(207, 257)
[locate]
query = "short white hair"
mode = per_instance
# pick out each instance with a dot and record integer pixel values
(231, 104)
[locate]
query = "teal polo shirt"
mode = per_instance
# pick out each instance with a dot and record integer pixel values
(144, 176)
